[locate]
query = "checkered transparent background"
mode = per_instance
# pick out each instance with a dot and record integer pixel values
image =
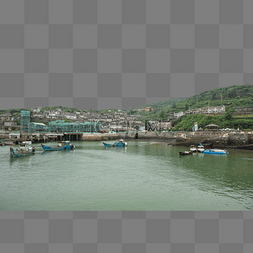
(126, 232)
(121, 53)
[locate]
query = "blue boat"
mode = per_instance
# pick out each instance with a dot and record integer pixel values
(215, 151)
(62, 145)
(120, 143)
(23, 150)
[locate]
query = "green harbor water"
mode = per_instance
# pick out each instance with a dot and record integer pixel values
(142, 176)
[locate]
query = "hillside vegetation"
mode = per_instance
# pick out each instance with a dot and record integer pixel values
(233, 96)
(185, 123)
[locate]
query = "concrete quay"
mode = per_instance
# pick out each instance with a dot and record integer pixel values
(212, 139)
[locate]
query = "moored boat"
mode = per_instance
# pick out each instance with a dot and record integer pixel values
(23, 150)
(186, 153)
(27, 142)
(193, 148)
(62, 145)
(215, 151)
(120, 143)
(201, 148)
(10, 143)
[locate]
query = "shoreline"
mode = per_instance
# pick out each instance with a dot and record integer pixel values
(210, 139)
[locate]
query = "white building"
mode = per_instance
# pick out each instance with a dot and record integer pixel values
(178, 114)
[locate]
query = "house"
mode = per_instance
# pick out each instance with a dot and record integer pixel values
(248, 109)
(37, 115)
(148, 109)
(70, 116)
(95, 115)
(36, 110)
(10, 124)
(196, 111)
(171, 115)
(110, 116)
(213, 109)
(178, 114)
(165, 124)
(5, 117)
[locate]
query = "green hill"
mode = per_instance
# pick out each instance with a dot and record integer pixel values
(233, 96)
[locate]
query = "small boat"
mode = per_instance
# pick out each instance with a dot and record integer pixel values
(120, 143)
(200, 148)
(186, 153)
(62, 145)
(27, 142)
(215, 151)
(23, 150)
(193, 148)
(10, 143)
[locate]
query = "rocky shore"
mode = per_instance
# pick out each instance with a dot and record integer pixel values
(210, 139)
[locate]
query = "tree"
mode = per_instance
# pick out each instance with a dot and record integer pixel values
(229, 112)
(162, 115)
(214, 94)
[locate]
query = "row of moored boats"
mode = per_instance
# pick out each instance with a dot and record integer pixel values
(26, 149)
(201, 149)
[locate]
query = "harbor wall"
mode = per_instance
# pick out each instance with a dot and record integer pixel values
(213, 139)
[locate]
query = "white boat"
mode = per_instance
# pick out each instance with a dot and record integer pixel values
(193, 148)
(201, 148)
(27, 142)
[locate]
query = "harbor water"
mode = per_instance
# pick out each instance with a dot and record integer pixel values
(141, 176)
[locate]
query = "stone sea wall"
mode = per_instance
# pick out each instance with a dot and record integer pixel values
(213, 139)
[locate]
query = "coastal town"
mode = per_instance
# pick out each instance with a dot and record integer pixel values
(120, 120)
(39, 125)
(221, 113)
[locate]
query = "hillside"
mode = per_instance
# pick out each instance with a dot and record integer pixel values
(233, 96)
(185, 123)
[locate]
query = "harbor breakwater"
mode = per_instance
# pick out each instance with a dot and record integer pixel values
(212, 139)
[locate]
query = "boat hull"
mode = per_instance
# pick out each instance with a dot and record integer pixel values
(213, 152)
(186, 153)
(114, 145)
(18, 153)
(47, 148)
